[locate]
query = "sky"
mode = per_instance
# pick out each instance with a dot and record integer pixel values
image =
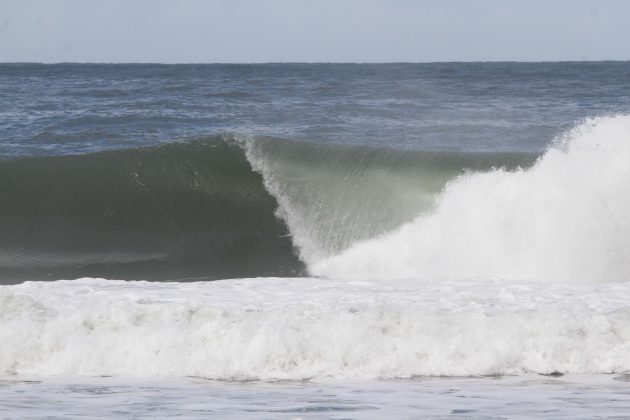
(237, 31)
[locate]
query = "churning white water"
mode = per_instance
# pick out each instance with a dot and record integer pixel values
(312, 328)
(564, 219)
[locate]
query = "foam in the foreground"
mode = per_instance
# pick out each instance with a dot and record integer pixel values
(312, 328)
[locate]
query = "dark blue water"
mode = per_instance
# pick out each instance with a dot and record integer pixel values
(76, 108)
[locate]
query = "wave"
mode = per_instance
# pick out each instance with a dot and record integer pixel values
(563, 219)
(312, 328)
(435, 250)
(182, 210)
(232, 206)
(217, 207)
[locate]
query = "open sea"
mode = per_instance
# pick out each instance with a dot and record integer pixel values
(446, 240)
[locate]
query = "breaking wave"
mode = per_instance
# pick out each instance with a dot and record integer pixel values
(564, 219)
(202, 209)
(230, 206)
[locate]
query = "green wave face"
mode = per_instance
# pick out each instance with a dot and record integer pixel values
(178, 211)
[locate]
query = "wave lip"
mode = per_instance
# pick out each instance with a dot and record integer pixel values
(563, 219)
(312, 328)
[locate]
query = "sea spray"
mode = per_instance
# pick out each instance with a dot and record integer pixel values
(564, 219)
(333, 196)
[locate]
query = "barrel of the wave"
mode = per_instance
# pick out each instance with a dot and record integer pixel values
(333, 196)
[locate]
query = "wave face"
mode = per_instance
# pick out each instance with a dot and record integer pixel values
(333, 196)
(212, 208)
(312, 328)
(564, 219)
(182, 210)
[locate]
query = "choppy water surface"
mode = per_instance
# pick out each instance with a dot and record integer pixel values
(79, 108)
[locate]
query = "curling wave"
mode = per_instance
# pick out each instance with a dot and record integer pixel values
(218, 207)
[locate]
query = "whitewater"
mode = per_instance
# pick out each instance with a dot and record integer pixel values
(308, 328)
(565, 219)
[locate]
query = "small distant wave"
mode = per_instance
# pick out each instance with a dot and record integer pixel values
(230, 94)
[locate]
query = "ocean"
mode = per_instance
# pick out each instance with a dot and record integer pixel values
(436, 240)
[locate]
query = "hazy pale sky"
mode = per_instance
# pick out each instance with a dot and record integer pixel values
(205, 31)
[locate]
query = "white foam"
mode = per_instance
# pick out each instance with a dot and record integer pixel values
(312, 328)
(566, 219)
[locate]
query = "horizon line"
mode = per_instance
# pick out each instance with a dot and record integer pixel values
(309, 62)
